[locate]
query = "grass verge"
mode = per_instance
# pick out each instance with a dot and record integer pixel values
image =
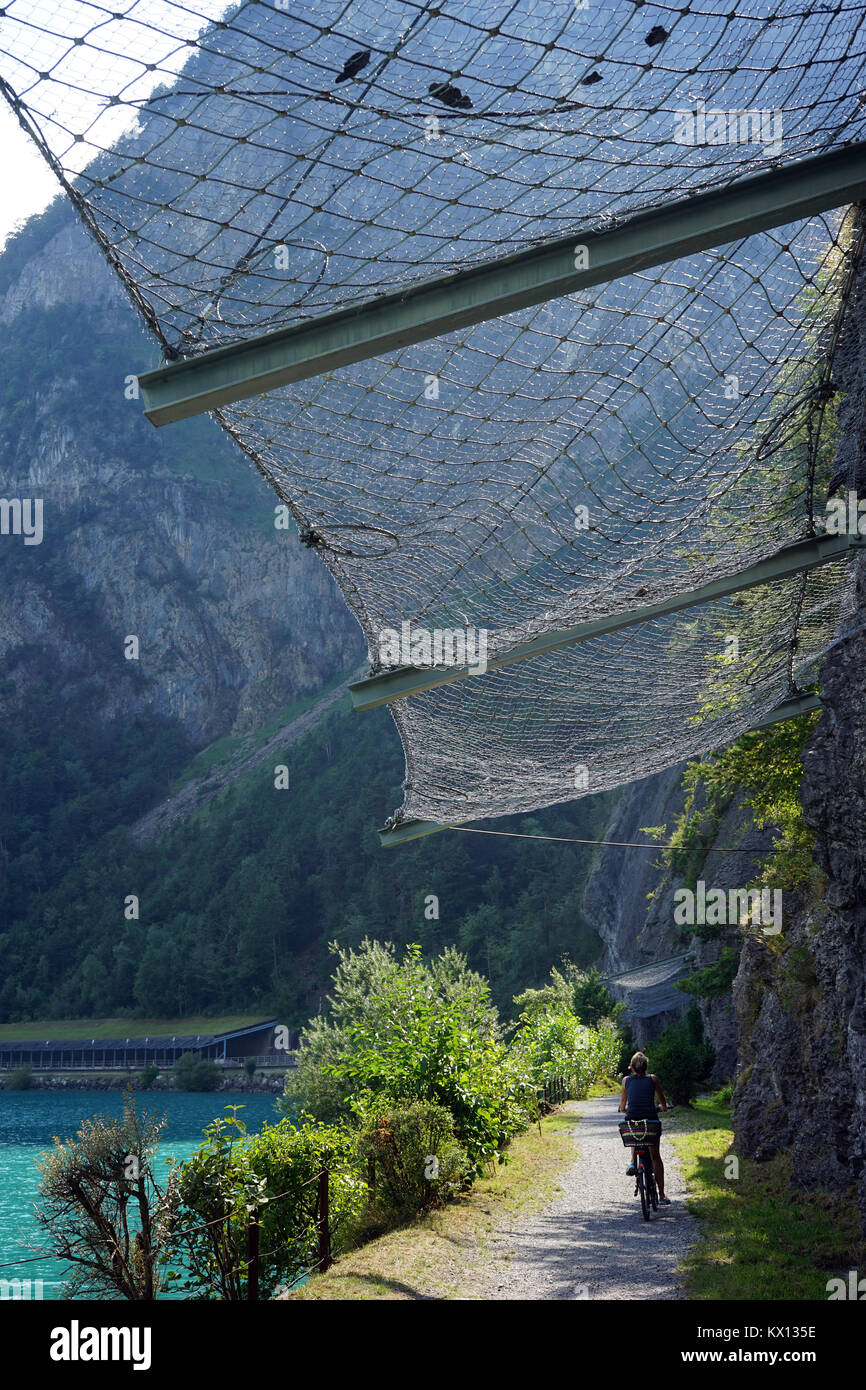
(760, 1239)
(442, 1255)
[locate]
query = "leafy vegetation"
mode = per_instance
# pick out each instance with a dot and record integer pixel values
(550, 1041)
(402, 1030)
(192, 1072)
(413, 1161)
(714, 981)
(272, 1178)
(765, 770)
(682, 1058)
(442, 1255)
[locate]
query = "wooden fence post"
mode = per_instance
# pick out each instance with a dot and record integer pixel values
(324, 1221)
(253, 1257)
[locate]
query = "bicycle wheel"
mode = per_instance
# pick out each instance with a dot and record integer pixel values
(644, 1199)
(653, 1190)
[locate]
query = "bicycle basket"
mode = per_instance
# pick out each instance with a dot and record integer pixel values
(639, 1131)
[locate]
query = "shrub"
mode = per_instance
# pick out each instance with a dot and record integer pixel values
(147, 1077)
(553, 1042)
(681, 1058)
(402, 1030)
(593, 1001)
(413, 1158)
(722, 1098)
(555, 1045)
(714, 980)
(275, 1172)
(194, 1073)
(21, 1079)
(250, 1066)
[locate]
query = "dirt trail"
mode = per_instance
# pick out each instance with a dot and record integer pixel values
(591, 1241)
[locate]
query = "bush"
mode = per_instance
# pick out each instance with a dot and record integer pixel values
(722, 1098)
(403, 1030)
(21, 1079)
(413, 1158)
(194, 1073)
(714, 980)
(147, 1077)
(555, 1045)
(593, 1001)
(250, 1066)
(101, 1210)
(553, 1041)
(233, 1174)
(681, 1058)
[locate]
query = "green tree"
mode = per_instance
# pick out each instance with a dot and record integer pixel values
(194, 1073)
(402, 1030)
(682, 1058)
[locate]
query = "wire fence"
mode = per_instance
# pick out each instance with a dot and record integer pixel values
(551, 1093)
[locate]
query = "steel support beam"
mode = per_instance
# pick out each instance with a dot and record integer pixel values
(429, 308)
(401, 681)
(788, 709)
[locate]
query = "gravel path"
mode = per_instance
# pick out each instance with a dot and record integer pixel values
(591, 1241)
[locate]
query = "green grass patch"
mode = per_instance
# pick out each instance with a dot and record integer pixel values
(607, 1086)
(760, 1238)
(72, 1028)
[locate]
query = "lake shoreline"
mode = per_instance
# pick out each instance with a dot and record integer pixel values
(271, 1085)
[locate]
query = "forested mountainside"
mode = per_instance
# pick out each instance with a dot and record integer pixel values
(169, 537)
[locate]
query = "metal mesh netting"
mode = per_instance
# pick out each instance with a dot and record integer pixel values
(246, 168)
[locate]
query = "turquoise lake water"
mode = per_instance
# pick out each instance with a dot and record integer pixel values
(30, 1119)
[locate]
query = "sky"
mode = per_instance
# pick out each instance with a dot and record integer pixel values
(27, 183)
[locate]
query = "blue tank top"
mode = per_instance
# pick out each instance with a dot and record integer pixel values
(640, 1098)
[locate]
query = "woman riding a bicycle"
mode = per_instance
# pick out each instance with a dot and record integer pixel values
(637, 1101)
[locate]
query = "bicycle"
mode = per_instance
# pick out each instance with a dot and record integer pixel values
(638, 1135)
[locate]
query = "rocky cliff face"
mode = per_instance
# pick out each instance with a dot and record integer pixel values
(801, 1005)
(165, 536)
(631, 905)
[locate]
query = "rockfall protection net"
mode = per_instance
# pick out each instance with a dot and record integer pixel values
(246, 167)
